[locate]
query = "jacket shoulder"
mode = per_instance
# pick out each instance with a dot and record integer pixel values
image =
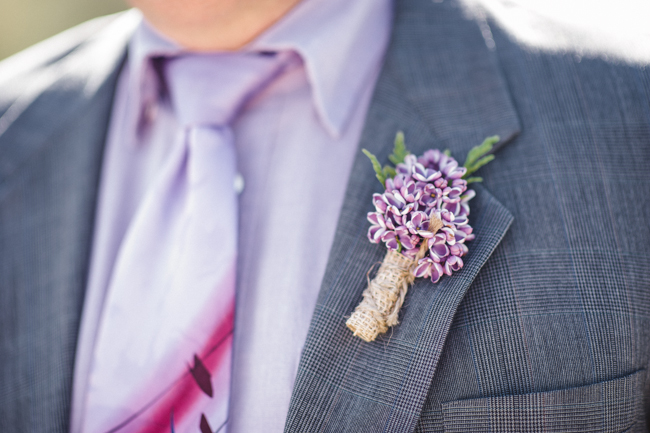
(23, 68)
(616, 33)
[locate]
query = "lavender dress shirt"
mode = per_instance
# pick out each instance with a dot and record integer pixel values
(295, 143)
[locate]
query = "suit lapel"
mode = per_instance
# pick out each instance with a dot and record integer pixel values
(441, 85)
(51, 144)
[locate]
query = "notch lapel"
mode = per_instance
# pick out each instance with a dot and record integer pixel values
(441, 85)
(51, 142)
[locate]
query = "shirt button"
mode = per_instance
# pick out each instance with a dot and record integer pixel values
(238, 183)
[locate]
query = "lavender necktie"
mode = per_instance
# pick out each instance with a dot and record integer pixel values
(163, 350)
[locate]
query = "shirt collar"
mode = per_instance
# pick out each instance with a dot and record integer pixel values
(341, 43)
(143, 81)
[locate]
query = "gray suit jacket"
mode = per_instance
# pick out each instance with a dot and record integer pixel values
(546, 328)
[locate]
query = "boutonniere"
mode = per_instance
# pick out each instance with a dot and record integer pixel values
(422, 219)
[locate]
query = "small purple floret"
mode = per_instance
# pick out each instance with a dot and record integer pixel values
(430, 184)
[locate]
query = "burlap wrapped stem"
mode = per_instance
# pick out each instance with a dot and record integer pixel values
(384, 296)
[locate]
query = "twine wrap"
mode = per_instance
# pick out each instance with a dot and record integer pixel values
(385, 294)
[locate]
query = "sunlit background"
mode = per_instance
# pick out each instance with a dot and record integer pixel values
(25, 22)
(615, 29)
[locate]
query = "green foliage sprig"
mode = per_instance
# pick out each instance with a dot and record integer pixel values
(399, 150)
(397, 157)
(477, 157)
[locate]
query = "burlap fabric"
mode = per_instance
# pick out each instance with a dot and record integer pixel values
(384, 296)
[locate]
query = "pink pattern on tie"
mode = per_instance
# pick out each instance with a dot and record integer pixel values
(184, 392)
(187, 393)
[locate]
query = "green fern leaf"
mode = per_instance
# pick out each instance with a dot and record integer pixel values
(376, 166)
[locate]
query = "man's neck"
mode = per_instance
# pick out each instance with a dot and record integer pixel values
(211, 25)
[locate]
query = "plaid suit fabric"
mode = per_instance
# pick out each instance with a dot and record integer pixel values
(607, 406)
(563, 303)
(545, 329)
(385, 385)
(52, 130)
(344, 384)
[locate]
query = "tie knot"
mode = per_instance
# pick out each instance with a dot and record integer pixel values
(210, 89)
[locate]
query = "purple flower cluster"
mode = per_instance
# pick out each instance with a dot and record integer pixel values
(429, 184)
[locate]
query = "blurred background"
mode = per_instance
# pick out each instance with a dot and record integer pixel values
(25, 22)
(615, 29)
